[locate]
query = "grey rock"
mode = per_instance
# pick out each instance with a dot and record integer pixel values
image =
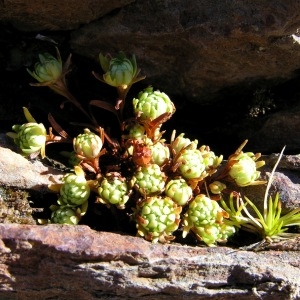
(18, 172)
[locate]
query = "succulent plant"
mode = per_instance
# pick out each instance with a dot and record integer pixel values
(244, 169)
(201, 211)
(180, 142)
(151, 104)
(160, 153)
(48, 69)
(202, 217)
(119, 71)
(157, 218)
(113, 189)
(227, 229)
(65, 215)
(191, 164)
(31, 137)
(210, 160)
(216, 187)
(209, 233)
(136, 131)
(149, 179)
(74, 190)
(179, 191)
(87, 145)
(162, 177)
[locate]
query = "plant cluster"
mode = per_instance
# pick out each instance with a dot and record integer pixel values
(168, 185)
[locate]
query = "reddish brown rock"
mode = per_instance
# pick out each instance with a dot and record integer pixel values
(63, 262)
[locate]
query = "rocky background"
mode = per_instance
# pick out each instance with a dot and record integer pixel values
(231, 67)
(232, 70)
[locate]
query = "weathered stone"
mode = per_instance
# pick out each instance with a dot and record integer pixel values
(279, 129)
(192, 49)
(196, 48)
(18, 172)
(55, 15)
(61, 262)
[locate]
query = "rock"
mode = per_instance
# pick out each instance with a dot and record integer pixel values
(18, 172)
(279, 129)
(195, 49)
(192, 49)
(63, 262)
(213, 58)
(55, 15)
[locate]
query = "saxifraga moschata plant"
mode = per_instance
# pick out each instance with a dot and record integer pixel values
(164, 187)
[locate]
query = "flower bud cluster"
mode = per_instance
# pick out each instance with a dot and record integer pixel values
(151, 104)
(119, 71)
(244, 168)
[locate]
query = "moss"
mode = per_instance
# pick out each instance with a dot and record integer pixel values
(14, 207)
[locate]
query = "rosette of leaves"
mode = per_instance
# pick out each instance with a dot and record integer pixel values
(160, 153)
(66, 215)
(210, 160)
(204, 217)
(152, 104)
(113, 189)
(48, 70)
(87, 145)
(157, 218)
(74, 189)
(243, 167)
(120, 71)
(149, 179)
(190, 164)
(179, 191)
(30, 137)
(180, 142)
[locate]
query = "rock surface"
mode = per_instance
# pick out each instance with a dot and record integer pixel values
(192, 49)
(18, 172)
(55, 15)
(63, 262)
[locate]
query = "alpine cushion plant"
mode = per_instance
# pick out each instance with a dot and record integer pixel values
(163, 187)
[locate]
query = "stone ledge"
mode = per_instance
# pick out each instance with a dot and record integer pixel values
(61, 262)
